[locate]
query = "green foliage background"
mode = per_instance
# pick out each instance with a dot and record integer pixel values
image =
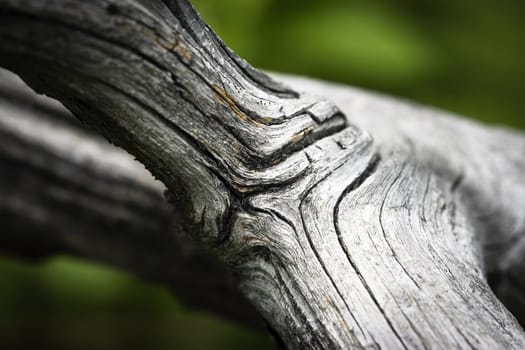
(464, 56)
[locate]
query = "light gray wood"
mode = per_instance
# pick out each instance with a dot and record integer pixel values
(374, 230)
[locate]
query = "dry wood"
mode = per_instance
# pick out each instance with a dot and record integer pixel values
(371, 224)
(65, 191)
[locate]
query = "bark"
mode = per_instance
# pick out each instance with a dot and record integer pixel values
(373, 224)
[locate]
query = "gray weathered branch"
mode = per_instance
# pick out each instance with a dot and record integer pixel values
(377, 229)
(65, 191)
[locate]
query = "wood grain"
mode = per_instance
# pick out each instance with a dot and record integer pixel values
(373, 224)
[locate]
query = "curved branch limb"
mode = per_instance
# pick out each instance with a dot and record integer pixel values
(327, 229)
(223, 127)
(65, 191)
(482, 167)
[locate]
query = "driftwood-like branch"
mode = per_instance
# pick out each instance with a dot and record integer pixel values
(65, 191)
(374, 230)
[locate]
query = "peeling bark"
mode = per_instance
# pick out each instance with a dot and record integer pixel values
(373, 224)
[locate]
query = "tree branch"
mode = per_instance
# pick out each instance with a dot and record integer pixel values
(483, 169)
(66, 191)
(344, 233)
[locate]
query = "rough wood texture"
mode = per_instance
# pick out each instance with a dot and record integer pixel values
(372, 231)
(66, 191)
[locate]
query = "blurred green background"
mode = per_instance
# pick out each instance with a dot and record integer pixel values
(464, 56)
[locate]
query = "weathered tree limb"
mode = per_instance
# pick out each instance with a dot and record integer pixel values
(358, 232)
(483, 166)
(464, 176)
(65, 191)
